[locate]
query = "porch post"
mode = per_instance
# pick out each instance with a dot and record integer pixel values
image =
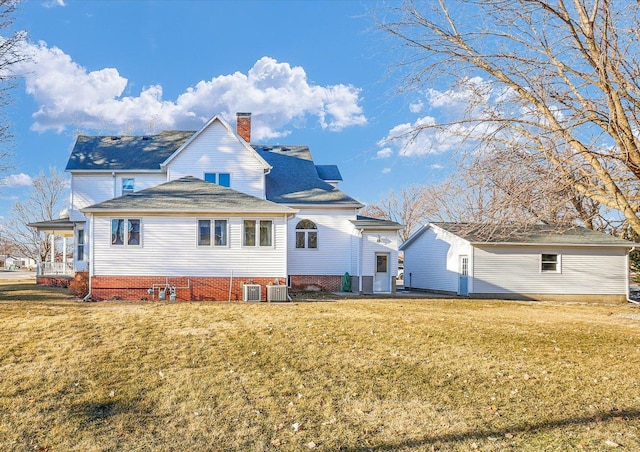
(64, 254)
(53, 250)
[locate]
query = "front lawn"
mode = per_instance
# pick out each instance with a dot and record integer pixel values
(352, 374)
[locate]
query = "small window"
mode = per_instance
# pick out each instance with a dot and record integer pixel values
(80, 245)
(550, 263)
(306, 234)
(257, 233)
(125, 231)
(223, 179)
(128, 185)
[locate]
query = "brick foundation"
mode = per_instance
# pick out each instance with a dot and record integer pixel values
(329, 283)
(54, 281)
(187, 288)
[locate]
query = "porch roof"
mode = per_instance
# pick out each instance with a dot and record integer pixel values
(62, 227)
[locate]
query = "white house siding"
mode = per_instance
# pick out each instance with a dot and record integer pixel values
(584, 270)
(431, 261)
(216, 150)
(334, 253)
(169, 249)
(92, 188)
(370, 246)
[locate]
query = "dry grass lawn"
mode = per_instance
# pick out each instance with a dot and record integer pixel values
(354, 374)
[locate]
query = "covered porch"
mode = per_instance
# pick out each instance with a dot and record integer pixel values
(59, 265)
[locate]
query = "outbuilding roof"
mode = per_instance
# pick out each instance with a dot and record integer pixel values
(362, 222)
(189, 194)
(538, 234)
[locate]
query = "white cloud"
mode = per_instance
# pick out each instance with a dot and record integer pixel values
(416, 107)
(16, 180)
(53, 3)
(386, 170)
(384, 153)
(275, 93)
(420, 138)
(436, 166)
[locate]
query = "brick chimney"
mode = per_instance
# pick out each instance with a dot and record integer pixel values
(244, 126)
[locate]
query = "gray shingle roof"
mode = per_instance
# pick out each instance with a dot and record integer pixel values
(109, 153)
(294, 178)
(362, 222)
(539, 234)
(189, 194)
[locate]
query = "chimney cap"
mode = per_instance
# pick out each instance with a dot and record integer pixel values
(243, 114)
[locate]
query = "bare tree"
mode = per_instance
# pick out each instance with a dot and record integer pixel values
(552, 84)
(11, 53)
(411, 206)
(49, 195)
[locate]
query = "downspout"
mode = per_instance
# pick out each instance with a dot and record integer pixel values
(91, 222)
(360, 260)
(628, 282)
(113, 175)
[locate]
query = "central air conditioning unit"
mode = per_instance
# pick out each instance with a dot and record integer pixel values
(277, 293)
(251, 292)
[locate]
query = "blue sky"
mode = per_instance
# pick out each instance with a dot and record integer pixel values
(311, 72)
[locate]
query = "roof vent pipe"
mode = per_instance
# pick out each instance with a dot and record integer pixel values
(244, 126)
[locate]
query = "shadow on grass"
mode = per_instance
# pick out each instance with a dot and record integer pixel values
(92, 412)
(32, 292)
(453, 438)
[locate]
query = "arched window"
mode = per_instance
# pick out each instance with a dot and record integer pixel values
(306, 234)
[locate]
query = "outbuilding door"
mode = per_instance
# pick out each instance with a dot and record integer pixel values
(382, 276)
(463, 276)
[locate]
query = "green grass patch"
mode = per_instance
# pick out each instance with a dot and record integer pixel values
(356, 374)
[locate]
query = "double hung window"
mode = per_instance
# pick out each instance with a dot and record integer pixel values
(257, 233)
(220, 232)
(550, 263)
(125, 231)
(128, 185)
(80, 245)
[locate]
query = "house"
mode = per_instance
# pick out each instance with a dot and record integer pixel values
(207, 214)
(532, 263)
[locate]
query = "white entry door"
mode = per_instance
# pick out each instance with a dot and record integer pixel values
(463, 276)
(382, 277)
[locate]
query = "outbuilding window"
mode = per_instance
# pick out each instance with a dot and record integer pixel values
(550, 263)
(306, 234)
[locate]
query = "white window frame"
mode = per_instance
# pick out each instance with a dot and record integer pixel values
(216, 176)
(133, 185)
(306, 235)
(558, 262)
(83, 244)
(125, 238)
(256, 222)
(212, 232)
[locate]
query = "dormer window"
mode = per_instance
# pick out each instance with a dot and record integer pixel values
(223, 179)
(128, 184)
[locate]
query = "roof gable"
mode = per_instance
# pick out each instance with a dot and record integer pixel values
(212, 122)
(188, 194)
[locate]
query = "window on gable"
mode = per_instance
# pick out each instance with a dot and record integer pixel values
(550, 263)
(128, 185)
(223, 179)
(257, 233)
(306, 234)
(125, 231)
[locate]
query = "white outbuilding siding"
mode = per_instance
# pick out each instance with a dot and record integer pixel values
(517, 270)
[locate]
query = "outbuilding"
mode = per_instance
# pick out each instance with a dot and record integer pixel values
(538, 262)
